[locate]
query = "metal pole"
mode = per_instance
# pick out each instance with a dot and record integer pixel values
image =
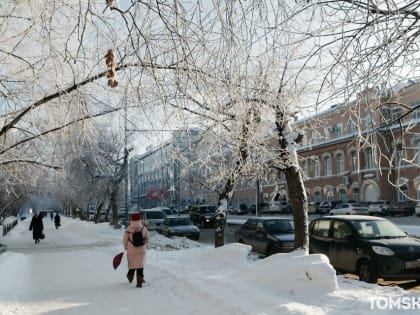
(257, 196)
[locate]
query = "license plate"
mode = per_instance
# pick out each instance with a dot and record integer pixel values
(412, 264)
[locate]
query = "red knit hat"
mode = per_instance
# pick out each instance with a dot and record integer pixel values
(135, 217)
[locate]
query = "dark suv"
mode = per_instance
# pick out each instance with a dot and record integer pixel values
(371, 247)
(402, 208)
(203, 215)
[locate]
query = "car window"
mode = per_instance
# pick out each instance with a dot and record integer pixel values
(321, 228)
(155, 215)
(341, 230)
(279, 226)
(178, 221)
(378, 229)
(250, 225)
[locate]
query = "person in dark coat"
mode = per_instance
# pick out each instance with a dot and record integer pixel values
(36, 227)
(57, 220)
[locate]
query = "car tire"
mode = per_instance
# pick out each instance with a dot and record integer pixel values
(366, 271)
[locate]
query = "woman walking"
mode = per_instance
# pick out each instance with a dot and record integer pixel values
(36, 227)
(136, 255)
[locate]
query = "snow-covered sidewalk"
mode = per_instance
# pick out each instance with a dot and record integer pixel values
(70, 272)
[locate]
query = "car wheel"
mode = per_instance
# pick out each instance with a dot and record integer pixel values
(366, 271)
(331, 213)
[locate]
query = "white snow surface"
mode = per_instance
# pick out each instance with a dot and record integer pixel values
(70, 272)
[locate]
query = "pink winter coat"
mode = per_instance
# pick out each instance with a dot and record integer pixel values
(136, 256)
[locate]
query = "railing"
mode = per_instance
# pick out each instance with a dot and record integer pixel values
(7, 225)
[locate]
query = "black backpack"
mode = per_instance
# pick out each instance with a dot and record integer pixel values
(138, 239)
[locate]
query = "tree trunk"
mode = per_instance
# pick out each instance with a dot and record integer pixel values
(299, 203)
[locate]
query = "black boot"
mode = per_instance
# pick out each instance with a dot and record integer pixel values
(140, 281)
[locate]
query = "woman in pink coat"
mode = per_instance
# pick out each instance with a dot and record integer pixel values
(136, 256)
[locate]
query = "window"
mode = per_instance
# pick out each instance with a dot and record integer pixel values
(342, 194)
(316, 167)
(304, 165)
(396, 113)
(416, 112)
(318, 196)
(368, 158)
(315, 137)
(417, 151)
(327, 166)
(341, 230)
(352, 127)
(321, 228)
(340, 163)
(367, 121)
(339, 130)
(356, 194)
(399, 155)
(354, 161)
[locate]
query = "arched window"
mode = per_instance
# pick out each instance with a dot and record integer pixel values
(356, 194)
(316, 167)
(354, 161)
(399, 155)
(368, 158)
(318, 196)
(342, 195)
(340, 163)
(327, 166)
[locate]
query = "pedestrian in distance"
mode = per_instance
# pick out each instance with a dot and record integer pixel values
(136, 253)
(37, 227)
(51, 216)
(57, 220)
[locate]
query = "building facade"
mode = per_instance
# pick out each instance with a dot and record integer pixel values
(366, 150)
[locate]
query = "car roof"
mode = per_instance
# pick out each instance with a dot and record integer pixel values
(347, 217)
(177, 216)
(270, 218)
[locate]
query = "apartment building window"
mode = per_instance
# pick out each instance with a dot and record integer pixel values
(327, 166)
(352, 127)
(367, 121)
(403, 192)
(416, 112)
(318, 196)
(399, 155)
(356, 194)
(339, 130)
(417, 151)
(315, 137)
(342, 194)
(368, 158)
(354, 161)
(304, 165)
(316, 167)
(396, 113)
(340, 163)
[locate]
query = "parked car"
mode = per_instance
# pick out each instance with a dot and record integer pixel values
(241, 209)
(325, 206)
(417, 209)
(277, 207)
(349, 208)
(203, 215)
(371, 247)
(179, 226)
(168, 211)
(267, 235)
(152, 218)
(402, 208)
(379, 207)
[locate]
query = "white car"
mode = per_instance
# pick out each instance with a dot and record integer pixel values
(349, 208)
(417, 209)
(379, 207)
